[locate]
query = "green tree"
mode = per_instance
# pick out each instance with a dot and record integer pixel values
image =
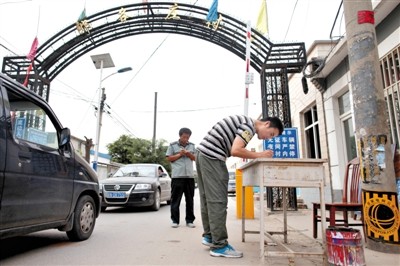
(128, 150)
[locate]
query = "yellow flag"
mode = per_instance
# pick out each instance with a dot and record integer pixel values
(262, 20)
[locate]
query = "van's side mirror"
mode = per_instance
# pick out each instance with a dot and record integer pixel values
(65, 136)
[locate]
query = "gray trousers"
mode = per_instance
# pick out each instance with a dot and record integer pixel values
(212, 181)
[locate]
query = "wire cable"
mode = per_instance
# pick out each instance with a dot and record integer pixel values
(190, 110)
(291, 17)
(144, 64)
(334, 23)
(320, 62)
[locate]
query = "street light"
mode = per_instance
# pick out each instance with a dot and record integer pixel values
(102, 61)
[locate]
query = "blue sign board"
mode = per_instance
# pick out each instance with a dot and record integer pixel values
(19, 131)
(285, 145)
(37, 136)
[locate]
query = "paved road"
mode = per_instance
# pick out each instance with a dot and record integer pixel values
(128, 237)
(140, 237)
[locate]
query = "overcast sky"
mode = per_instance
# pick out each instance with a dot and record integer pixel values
(197, 83)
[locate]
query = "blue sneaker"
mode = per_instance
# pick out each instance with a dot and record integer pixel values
(228, 252)
(206, 241)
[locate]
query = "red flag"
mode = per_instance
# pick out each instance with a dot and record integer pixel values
(27, 74)
(144, 2)
(31, 56)
(32, 52)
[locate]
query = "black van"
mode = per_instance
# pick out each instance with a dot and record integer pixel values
(44, 184)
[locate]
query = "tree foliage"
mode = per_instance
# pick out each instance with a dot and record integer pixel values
(128, 150)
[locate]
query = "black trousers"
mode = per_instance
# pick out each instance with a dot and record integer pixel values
(179, 187)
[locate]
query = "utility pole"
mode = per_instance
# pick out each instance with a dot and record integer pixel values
(155, 123)
(380, 207)
(88, 146)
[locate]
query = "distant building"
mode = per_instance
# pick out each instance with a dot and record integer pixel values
(105, 166)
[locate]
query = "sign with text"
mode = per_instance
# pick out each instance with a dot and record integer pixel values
(19, 131)
(285, 145)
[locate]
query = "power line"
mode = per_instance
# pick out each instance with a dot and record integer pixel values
(140, 69)
(81, 97)
(319, 63)
(8, 49)
(118, 123)
(14, 2)
(148, 59)
(118, 120)
(334, 23)
(290, 22)
(189, 110)
(114, 116)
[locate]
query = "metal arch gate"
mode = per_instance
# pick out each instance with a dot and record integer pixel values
(272, 61)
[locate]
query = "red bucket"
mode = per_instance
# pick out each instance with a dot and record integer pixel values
(344, 246)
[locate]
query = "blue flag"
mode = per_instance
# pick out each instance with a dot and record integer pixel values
(82, 16)
(213, 12)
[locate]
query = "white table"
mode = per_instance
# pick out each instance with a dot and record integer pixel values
(285, 173)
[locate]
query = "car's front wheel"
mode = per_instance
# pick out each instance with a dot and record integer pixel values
(84, 219)
(157, 201)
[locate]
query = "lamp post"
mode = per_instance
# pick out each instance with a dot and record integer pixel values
(102, 61)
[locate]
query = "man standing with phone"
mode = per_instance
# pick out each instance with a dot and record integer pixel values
(181, 155)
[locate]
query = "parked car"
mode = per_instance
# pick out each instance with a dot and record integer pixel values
(44, 183)
(232, 183)
(136, 185)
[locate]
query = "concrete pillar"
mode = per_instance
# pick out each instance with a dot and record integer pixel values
(380, 207)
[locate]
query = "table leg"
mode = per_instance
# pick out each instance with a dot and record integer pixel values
(262, 222)
(323, 219)
(332, 216)
(243, 214)
(284, 202)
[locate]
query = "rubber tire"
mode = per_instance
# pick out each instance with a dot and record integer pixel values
(84, 219)
(157, 201)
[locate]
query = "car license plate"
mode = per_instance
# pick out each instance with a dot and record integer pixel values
(115, 195)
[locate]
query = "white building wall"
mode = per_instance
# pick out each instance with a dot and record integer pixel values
(337, 153)
(301, 103)
(388, 43)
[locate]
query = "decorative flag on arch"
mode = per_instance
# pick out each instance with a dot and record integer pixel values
(82, 24)
(82, 16)
(262, 20)
(32, 53)
(145, 9)
(213, 12)
(31, 56)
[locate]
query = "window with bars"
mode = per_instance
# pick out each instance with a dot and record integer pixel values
(390, 69)
(311, 130)
(347, 125)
